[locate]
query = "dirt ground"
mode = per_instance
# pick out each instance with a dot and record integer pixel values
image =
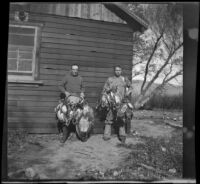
(44, 157)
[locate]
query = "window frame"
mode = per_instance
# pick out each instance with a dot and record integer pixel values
(18, 77)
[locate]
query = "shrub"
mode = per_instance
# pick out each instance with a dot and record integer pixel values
(166, 102)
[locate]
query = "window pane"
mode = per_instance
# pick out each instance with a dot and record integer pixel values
(21, 40)
(12, 64)
(21, 30)
(25, 55)
(25, 65)
(21, 44)
(12, 54)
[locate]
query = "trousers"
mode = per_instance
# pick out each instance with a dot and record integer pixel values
(110, 119)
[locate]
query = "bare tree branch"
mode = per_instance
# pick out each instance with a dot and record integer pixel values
(162, 67)
(166, 45)
(147, 65)
(134, 64)
(175, 75)
(166, 81)
(161, 19)
(171, 65)
(136, 73)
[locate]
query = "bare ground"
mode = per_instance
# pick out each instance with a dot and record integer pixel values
(44, 157)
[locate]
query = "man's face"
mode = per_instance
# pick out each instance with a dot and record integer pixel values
(118, 71)
(74, 70)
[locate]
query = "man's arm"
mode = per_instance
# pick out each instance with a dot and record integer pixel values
(128, 86)
(62, 86)
(82, 88)
(106, 86)
(128, 83)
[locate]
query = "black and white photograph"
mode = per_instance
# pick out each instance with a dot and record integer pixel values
(95, 91)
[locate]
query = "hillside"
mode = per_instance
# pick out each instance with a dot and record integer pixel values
(169, 88)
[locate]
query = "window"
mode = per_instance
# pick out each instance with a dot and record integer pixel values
(22, 48)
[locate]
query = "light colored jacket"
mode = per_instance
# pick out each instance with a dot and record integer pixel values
(120, 84)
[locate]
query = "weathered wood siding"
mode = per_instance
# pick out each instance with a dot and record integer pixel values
(95, 11)
(95, 46)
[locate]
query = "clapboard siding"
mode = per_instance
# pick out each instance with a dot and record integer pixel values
(81, 69)
(82, 63)
(91, 97)
(112, 47)
(86, 33)
(32, 114)
(85, 38)
(30, 109)
(121, 57)
(85, 79)
(88, 29)
(95, 11)
(88, 26)
(42, 88)
(95, 62)
(95, 46)
(80, 52)
(49, 97)
(82, 73)
(34, 130)
(79, 21)
(125, 49)
(83, 48)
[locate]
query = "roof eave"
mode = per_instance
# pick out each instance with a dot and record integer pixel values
(135, 22)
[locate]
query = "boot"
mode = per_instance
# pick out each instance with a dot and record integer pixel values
(65, 134)
(107, 132)
(122, 134)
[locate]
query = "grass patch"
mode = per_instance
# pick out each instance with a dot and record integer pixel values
(154, 159)
(166, 102)
(164, 155)
(17, 138)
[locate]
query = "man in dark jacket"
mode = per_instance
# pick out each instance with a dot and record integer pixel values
(123, 88)
(72, 84)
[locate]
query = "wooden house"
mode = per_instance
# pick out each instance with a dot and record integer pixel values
(46, 38)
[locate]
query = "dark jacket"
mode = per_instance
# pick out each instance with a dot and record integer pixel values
(72, 84)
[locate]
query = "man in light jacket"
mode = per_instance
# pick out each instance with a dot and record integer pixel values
(123, 88)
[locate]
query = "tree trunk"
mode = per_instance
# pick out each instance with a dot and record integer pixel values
(144, 98)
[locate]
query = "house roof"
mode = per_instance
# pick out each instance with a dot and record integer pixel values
(135, 22)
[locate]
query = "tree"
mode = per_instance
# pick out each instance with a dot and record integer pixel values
(158, 53)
